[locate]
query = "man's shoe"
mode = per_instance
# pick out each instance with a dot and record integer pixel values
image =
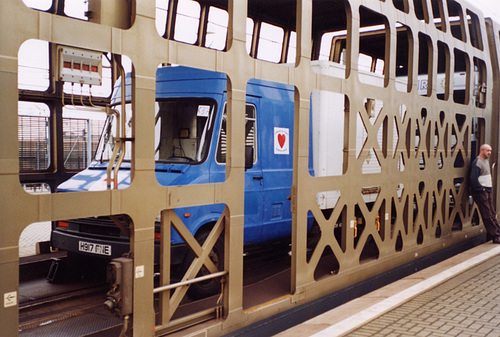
(496, 240)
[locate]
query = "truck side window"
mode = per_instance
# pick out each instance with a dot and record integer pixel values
(250, 134)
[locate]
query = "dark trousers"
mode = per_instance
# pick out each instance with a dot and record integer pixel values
(485, 205)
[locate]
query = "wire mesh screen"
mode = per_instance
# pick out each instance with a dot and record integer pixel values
(34, 143)
(76, 139)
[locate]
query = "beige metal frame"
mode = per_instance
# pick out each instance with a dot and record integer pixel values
(493, 30)
(133, 33)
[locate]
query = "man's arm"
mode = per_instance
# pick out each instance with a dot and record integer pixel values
(475, 171)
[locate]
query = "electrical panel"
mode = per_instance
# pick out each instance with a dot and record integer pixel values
(79, 66)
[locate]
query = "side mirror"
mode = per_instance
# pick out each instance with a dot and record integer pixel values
(248, 157)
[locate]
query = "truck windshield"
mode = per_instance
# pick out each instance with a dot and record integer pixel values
(108, 136)
(182, 132)
(183, 129)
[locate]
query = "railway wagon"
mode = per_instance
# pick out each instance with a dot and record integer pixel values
(416, 82)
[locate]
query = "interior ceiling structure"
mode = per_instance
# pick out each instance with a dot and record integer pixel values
(327, 15)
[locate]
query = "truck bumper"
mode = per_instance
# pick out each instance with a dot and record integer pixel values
(107, 249)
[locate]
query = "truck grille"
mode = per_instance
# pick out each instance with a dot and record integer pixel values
(99, 226)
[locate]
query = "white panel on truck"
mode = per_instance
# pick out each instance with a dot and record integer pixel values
(328, 110)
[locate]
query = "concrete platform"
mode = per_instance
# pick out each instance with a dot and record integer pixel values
(457, 297)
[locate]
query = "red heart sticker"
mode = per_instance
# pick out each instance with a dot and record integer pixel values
(281, 139)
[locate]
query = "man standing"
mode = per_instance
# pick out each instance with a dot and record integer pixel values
(481, 184)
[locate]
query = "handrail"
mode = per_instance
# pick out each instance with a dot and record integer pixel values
(184, 283)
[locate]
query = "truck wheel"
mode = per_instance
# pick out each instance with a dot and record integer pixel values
(210, 287)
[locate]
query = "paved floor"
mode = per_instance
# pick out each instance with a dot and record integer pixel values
(457, 297)
(467, 305)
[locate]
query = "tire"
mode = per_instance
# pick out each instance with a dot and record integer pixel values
(210, 287)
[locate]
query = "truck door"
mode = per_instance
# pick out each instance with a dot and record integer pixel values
(254, 184)
(276, 158)
(254, 179)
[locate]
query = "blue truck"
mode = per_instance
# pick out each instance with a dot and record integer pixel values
(190, 136)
